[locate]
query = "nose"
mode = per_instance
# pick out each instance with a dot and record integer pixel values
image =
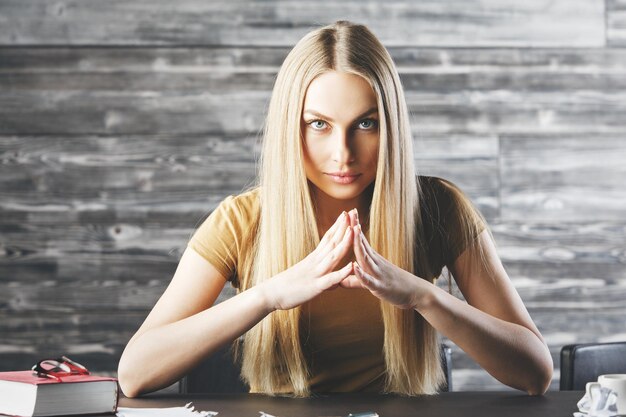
(342, 152)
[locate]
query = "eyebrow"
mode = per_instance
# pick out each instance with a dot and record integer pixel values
(366, 113)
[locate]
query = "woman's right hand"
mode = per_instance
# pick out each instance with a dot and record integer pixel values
(314, 274)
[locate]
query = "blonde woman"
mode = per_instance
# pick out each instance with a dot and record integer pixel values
(334, 253)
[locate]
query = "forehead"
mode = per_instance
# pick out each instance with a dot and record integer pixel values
(333, 93)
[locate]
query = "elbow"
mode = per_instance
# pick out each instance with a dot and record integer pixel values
(128, 390)
(127, 380)
(538, 389)
(542, 380)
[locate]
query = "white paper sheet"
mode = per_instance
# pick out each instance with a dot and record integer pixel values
(187, 411)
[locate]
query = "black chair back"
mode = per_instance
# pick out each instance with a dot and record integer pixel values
(219, 374)
(582, 363)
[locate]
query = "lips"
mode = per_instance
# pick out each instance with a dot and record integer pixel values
(343, 174)
(343, 177)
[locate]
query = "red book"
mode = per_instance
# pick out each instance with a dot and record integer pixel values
(24, 394)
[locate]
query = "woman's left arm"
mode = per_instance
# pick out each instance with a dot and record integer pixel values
(493, 327)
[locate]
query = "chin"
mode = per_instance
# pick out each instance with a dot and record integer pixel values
(342, 194)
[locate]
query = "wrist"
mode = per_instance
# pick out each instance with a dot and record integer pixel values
(264, 294)
(425, 296)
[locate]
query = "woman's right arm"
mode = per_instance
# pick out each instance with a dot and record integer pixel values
(183, 328)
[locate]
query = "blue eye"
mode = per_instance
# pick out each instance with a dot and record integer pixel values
(318, 127)
(372, 124)
(365, 124)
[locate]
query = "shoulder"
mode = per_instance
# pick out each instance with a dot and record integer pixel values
(433, 186)
(243, 207)
(439, 196)
(225, 234)
(230, 220)
(449, 218)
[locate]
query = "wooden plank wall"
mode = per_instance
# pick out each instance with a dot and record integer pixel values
(124, 123)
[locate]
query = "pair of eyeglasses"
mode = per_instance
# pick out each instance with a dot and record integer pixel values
(58, 368)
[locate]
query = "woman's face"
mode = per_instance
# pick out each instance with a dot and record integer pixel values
(340, 131)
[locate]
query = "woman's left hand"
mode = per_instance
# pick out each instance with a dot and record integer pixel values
(381, 277)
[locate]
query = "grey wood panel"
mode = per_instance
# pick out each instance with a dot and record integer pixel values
(114, 272)
(226, 92)
(103, 172)
(616, 23)
(580, 325)
(563, 23)
(71, 112)
(173, 60)
(103, 67)
(94, 338)
(84, 296)
(563, 255)
(454, 112)
(469, 161)
(563, 177)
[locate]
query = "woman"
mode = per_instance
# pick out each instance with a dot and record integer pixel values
(334, 253)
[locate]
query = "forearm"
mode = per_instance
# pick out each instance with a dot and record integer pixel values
(162, 355)
(511, 353)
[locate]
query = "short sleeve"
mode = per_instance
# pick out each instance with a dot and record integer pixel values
(218, 239)
(450, 221)
(462, 222)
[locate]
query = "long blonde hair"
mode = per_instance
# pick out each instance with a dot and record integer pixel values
(272, 354)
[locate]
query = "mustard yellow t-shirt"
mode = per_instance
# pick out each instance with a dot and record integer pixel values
(342, 330)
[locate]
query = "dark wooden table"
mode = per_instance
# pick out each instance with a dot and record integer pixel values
(465, 404)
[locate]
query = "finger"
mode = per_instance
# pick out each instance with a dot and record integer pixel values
(335, 277)
(359, 250)
(368, 262)
(351, 281)
(353, 215)
(369, 253)
(363, 257)
(329, 243)
(366, 279)
(338, 252)
(330, 232)
(336, 238)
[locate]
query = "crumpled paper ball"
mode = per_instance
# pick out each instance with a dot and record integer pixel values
(597, 402)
